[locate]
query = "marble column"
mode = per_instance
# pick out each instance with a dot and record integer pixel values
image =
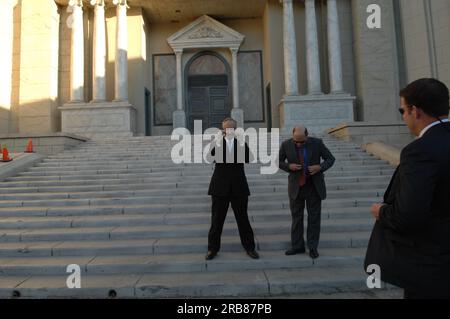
(234, 53)
(236, 112)
(179, 56)
(121, 63)
(77, 53)
(179, 116)
(334, 48)
(290, 49)
(6, 53)
(99, 53)
(312, 49)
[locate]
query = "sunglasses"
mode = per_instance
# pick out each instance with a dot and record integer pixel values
(402, 111)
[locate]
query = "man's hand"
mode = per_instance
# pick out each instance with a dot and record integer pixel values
(295, 167)
(218, 138)
(375, 210)
(314, 169)
(240, 137)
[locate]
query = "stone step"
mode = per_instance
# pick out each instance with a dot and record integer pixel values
(179, 188)
(158, 246)
(181, 181)
(179, 195)
(137, 224)
(166, 166)
(260, 283)
(164, 163)
(162, 145)
(196, 218)
(145, 206)
(158, 157)
(181, 263)
(165, 151)
(164, 159)
(169, 231)
(183, 170)
(195, 175)
(193, 201)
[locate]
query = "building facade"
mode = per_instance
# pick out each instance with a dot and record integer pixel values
(106, 68)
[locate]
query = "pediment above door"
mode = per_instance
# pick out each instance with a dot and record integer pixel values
(205, 32)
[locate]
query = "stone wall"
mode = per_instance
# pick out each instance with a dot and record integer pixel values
(426, 40)
(376, 64)
(392, 133)
(39, 51)
(45, 144)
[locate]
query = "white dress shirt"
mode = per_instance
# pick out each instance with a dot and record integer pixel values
(230, 143)
(431, 125)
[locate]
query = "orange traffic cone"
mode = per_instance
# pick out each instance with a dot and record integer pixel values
(6, 156)
(29, 147)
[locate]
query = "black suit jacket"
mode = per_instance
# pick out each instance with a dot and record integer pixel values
(411, 240)
(316, 151)
(229, 178)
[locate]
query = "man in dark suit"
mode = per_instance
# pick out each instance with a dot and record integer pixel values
(229, 185)
(301, 157)
(410, 241)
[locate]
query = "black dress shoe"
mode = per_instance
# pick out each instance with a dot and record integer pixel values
(210, 255)
(293, 251)
(313, 253)
(253, 254)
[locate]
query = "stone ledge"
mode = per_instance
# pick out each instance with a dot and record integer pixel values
(384, 152)
(38, 135)
(317, 112)
(43, 143)
(20, 162)
(99, 120)
(393, 133)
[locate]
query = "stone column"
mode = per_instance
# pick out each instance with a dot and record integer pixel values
(179, 116)
(121, 63)
(99, 52)
(290, 49)
(77, 53)
(236, 113)
(312, 49)
(179, 55)
(6, 52)
(334, 48)
(234, 53)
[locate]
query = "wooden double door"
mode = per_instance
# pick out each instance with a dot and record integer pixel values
(208, 100)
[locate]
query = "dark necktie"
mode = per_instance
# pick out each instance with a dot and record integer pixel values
(302, 180)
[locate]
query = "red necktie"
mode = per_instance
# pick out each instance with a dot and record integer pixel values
(302, 180)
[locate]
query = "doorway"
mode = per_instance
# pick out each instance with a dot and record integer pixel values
(208, 92)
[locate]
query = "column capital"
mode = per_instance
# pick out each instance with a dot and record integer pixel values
(234, 50)
(100, 3)
(76, 3)
(120, 3)
(286, 1)
(178, 51)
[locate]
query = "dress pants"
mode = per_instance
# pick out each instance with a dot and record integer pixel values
(308, 194)
(219, 210)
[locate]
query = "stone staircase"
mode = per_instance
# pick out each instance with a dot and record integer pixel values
(137, 226)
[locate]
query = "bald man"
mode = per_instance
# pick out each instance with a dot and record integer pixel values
(301, 157)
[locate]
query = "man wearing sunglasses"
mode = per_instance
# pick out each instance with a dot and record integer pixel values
(410, 241)
(301, 157)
